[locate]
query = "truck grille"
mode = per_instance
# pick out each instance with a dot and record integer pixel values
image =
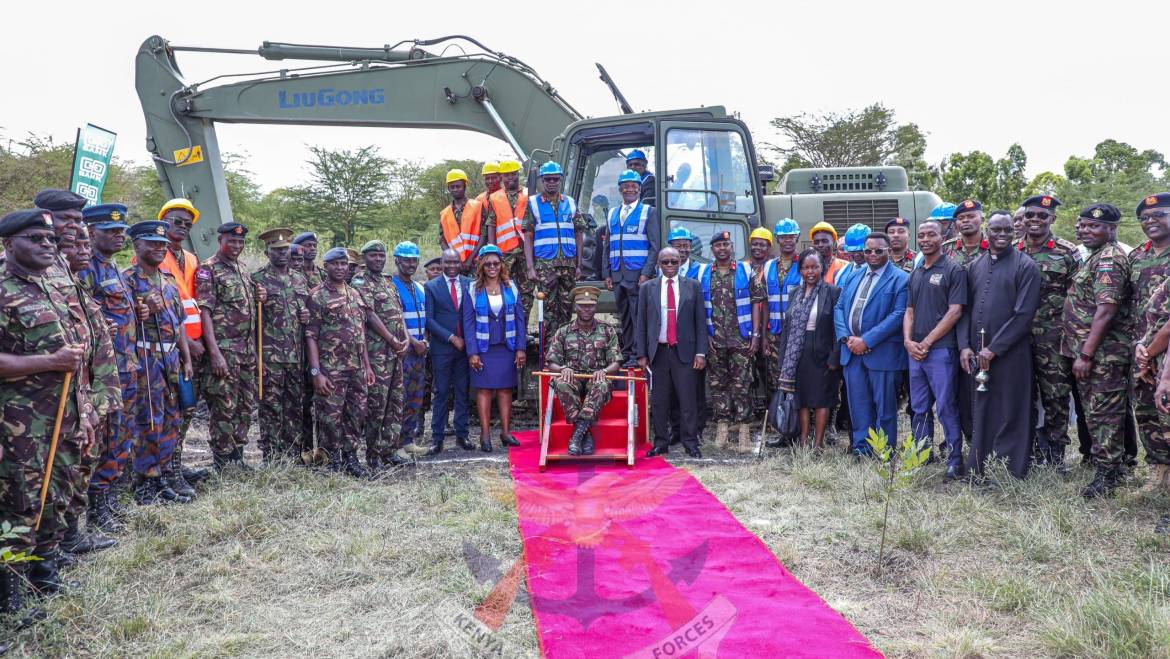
(873, 213)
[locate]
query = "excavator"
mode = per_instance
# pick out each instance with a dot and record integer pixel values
(708, 180)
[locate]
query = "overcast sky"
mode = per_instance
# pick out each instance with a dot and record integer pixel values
(982, 75)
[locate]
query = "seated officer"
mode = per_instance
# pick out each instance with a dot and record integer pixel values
(588, 346)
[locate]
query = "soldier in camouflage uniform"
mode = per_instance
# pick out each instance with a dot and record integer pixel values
(734, 322)
(385, 343)
(339, 363)
(1148, 312)
(227, 302)
(163, 342)
(970, 243)
(553, 230)
(285, 314)
(1094, 336)
(306, 244)
(586, 346)
(39, 343)
(898, 229)
(1058, 260)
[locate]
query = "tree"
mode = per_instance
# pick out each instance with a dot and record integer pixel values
(976, 175)
(850, 139)
(346, 193)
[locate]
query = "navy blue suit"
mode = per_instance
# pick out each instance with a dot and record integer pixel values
(871, 379)
(448, 364)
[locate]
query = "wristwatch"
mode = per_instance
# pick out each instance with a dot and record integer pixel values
(314, 372)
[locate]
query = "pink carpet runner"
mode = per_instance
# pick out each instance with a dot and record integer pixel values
(647, 563)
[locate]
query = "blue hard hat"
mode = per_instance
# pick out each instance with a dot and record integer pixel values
(855, 237)
(637, 154)
(106, 216)
(679, 233)
(629, 176)
(944, 212)
(407, 250)
(787, 227)
(490, 249)
(551, 168)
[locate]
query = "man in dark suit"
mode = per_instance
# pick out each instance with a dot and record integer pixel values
(448, 358)
(868, 324)
(671, 339)
(633, 242)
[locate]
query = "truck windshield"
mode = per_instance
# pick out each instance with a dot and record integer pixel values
(707, 170)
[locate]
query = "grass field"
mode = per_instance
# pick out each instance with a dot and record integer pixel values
(285, 562)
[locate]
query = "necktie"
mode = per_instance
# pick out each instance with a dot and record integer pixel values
(671, 315)
(455, 303)
(626, 212)
(859, 306)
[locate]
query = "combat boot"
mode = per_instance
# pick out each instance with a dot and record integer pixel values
(374, 464)
(1156, 480)
(191, 476)
(744, 441)
(576, 437)
(238, 460)
(173, 478)
(587, 439)
(1104, 482)
(13, 590)
(78, 542)
(45, 576)
(354, 467)
(100, 516)
(113, 499)
(721, 430)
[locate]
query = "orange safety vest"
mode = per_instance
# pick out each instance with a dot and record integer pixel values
(509, 221)
(185, 278)
(463, 237)
(834, 267)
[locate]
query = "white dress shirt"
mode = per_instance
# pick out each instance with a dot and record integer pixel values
(662, 305)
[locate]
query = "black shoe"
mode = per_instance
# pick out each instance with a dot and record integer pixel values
(65, 560)
(13, 591)
(175, 482)
(954, 472)
(100, 516)
(656, 451)
(587, 444)
(238, 460)
(1104, 482)
(77, 541)
(113, 503)
(579, 430)
(485, 444)
(45, 576)
(448, 431)
(694, 452)
(191, 476)
(165, 493)
(464, 443)
(675, 441)
(436, 447)
(353, 466)
(779, 442)
(507, 439)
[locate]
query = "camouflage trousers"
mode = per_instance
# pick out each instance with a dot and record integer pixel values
(340, 415)
(728, 387)
(1105, 400)
(280, 410)
(21, 471)
(229, 404)
(767, 364)
(115, 444)
(414, 380)
(429, 384)
(556, 278)
(306, 410)
(1054, 381)
(384, 408)
(583, 399)
(518, 270)
(159, 417)
(1152, 424)
(84, 471)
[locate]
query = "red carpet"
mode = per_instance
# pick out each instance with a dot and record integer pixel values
(645, 562)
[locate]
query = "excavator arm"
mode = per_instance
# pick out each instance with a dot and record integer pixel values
(486, 92)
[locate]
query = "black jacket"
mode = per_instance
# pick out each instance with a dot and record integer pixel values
(691, 319)
(825, 350)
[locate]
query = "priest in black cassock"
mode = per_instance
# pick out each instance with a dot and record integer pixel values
(995, 334)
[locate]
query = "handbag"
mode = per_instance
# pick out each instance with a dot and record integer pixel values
(782, 414)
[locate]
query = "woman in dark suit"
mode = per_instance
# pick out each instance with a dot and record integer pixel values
(807, 348)
(495, 326)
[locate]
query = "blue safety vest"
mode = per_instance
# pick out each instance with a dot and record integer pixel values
(628, 243)
(743, 299)
(482, 333)
(414, 306)
(554, 227)
(778, 292)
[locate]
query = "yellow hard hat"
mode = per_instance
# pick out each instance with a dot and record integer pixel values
(181, 203)
(823, 226)
(509, 166)
(456, 175)
(490, 168)
(761, 233)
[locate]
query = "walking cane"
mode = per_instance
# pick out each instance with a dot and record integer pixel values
(540, 324)
(141, 327)
(53, 446)
(763, 434)
(260, 347)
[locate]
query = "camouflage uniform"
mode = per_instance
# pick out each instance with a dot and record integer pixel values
(1146, 314)
(105, 393)
(728, 359)
(1058, 260)
(35, 319)
(906, 263)
(1101, 280)
(556, 277)
(963, 256)
(384, 403)
(159, 416)
(584, 352)
(313, 278)
(337, 321)
(104, 281)
(280, 404)
(227, 294)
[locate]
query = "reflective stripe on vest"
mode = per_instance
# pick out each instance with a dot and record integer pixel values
(482, 333)
(461, 236)
(554, 227)
(778, 292)
(509, 220)
(414, 307)
(743, 299)
(185, 281)
(627, 243)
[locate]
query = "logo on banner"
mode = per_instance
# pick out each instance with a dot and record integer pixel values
(91, 162)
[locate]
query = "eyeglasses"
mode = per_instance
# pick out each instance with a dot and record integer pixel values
(491, 264)
(879, 251)
(1155, 215)
(668, 262)
(41, 238)
(1037, 215)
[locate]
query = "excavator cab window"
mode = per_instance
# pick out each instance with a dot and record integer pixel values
(707, 170)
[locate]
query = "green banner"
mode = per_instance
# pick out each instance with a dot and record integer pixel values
(91, 162)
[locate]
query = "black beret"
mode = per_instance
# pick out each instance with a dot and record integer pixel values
(17, 221)
(1107, 213)
(1042, 200)
(720, 237)
(967, 206)
(897, 222)
(53, 199)
(303, 236)
(434, 261)
(234, 228)
(1154, 201)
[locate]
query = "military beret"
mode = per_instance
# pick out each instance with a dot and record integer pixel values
(585, 294)
(374, 246)
(335, 254)
(151, 230)
(106, 216)
(303, 236)
(1042, 200)
(720, 237)
(1107, 213)
(295, 249)
(434, 261)
(278, 237)
(898, 222)
(54, 199)
(17, 221)
(1154, 201)
(234, 228)
(967, 206)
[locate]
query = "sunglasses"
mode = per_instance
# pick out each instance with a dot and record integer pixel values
(41, 238)
(1037, 215)
(491, 264)
(878, 251)
(669, 262)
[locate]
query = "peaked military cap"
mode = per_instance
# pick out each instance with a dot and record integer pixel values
(106, 216)
(53, 199)
(17, 221)
(1154, 201)
(352, 256)
(1042, 201)
(234, 228)
(276, 237)
(1106, 213)
(152, 230)
(585, 294)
